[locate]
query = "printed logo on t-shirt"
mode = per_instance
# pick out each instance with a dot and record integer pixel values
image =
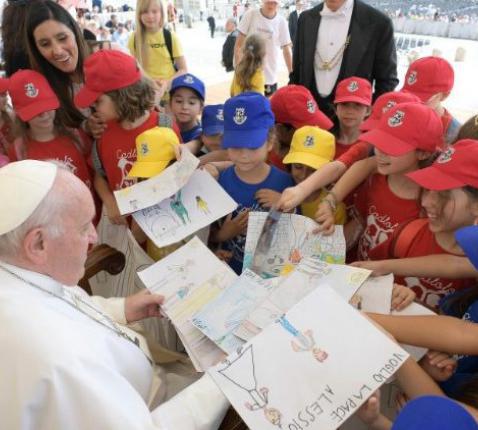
(188, 79)
(309, 141)
(125, 166)
(311, 106)
(240, 116)
(390, 104)
(446, 156)
(31, 91)
(379, 228)
(353, 86)
(430, 291)
(220, 115)
(157, 45)
(396, 120)
(412, 77)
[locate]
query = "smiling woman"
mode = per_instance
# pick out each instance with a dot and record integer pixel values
(56, 49)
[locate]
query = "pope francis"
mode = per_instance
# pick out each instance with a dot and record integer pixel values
(70, 361)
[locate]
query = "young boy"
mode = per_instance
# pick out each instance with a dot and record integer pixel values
(293, 107)
(432, 79)
(187, 96)
(248, 128)
(212, 131)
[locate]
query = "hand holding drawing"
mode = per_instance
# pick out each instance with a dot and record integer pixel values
(369, 413)
(402, 296)
(267, 198)
(113, 212)
(439, 365)
(142, 305)
(376, 267)
(291, 198)
(232, 227)
(325, 216)
(211, 169)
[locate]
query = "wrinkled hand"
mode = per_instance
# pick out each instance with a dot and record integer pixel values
(95, 125)
(113, 213)
(374, 266)
(291, 198)
(439, 365)
(267, 198)
(232, 227)
(325, 216)
(369, 412)
(402, 296)
(142, 305)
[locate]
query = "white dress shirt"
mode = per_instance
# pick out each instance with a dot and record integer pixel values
(60, 369)
(333, 31)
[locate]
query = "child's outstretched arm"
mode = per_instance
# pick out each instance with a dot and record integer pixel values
(108, 199)
(429, 266)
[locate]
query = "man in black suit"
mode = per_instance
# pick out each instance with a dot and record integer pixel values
(293, 18)
(342, 38)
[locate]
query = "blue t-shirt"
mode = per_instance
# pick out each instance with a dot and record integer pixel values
(244, 195)
(193, 133)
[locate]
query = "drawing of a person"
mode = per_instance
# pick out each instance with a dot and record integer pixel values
(179, 209)
(202, 205)
(272, 415)
(304, 341)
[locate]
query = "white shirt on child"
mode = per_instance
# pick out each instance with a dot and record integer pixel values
(276, 34)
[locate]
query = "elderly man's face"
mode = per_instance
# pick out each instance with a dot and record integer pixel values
(67, 252)
(334, 4)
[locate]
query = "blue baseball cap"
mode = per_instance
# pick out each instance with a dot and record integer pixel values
(189, 81)
(247, 120)
(434, 413)
(212, 120)
(467, 238)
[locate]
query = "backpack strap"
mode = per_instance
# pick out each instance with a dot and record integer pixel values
(404, 238)
(168, 40)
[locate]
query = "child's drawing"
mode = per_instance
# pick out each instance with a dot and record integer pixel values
(304, 341)
(242, 373)
(178, 207)
(202, 205)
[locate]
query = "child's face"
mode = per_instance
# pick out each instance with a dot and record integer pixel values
(351, 114)
(105, 108)
(185, 106)
(152, 17)
(246, 160)
(300, 172)
(43, 122)
(449, 210)
(389, 165)
(3, 101)
(212, 143)
(283, 139)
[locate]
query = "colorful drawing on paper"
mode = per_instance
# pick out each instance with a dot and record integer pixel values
(202, 205)
(179, 209)
(242, 373)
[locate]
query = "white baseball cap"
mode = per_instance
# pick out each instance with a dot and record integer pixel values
(23, 186)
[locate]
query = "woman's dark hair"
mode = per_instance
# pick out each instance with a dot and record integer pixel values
(469, 130)
(38, 12)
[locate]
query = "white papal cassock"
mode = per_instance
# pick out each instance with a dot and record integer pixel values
(62, 370)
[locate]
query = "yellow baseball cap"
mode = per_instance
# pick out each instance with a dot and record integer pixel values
(154, 151)
(311, 146)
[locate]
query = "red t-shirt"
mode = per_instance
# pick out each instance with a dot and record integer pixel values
(429, 291)
(349, 154)
(382, 211)
(117, 151)
(61, 149)
(275, 159)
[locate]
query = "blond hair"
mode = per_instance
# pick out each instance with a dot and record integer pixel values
(140, 47)
(253, 52)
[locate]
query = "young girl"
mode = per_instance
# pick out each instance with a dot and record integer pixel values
(351, 153)
(406, 136)
(124, 99)
(450, 200)
(249, 75)
(156, 48)
(40, 135)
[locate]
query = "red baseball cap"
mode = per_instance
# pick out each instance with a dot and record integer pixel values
(106, 70)
(383, 104)
(428, 76)
(295, 105)
(406, 127)
(456, 167)
(31, 94)
(353, 89)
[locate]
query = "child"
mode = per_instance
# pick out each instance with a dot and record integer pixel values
(406, 136)
(40, 135)
(432, 79)
(187, 96)
(248, 128)
(156, 48)
(469, 130)
(293, 107)
(212, 122)
(249, 75)
(124, 99)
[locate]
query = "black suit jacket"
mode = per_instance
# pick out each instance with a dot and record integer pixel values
(293, 18)
(371, 53)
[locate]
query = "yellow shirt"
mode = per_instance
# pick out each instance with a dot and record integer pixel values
(258, 82)
(309, 209)
(159, 64)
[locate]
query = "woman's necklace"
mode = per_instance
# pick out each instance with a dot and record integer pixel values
(330, 64)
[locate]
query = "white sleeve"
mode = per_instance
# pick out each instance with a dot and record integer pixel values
(284, 35)
(245, 22)
(201, 406)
